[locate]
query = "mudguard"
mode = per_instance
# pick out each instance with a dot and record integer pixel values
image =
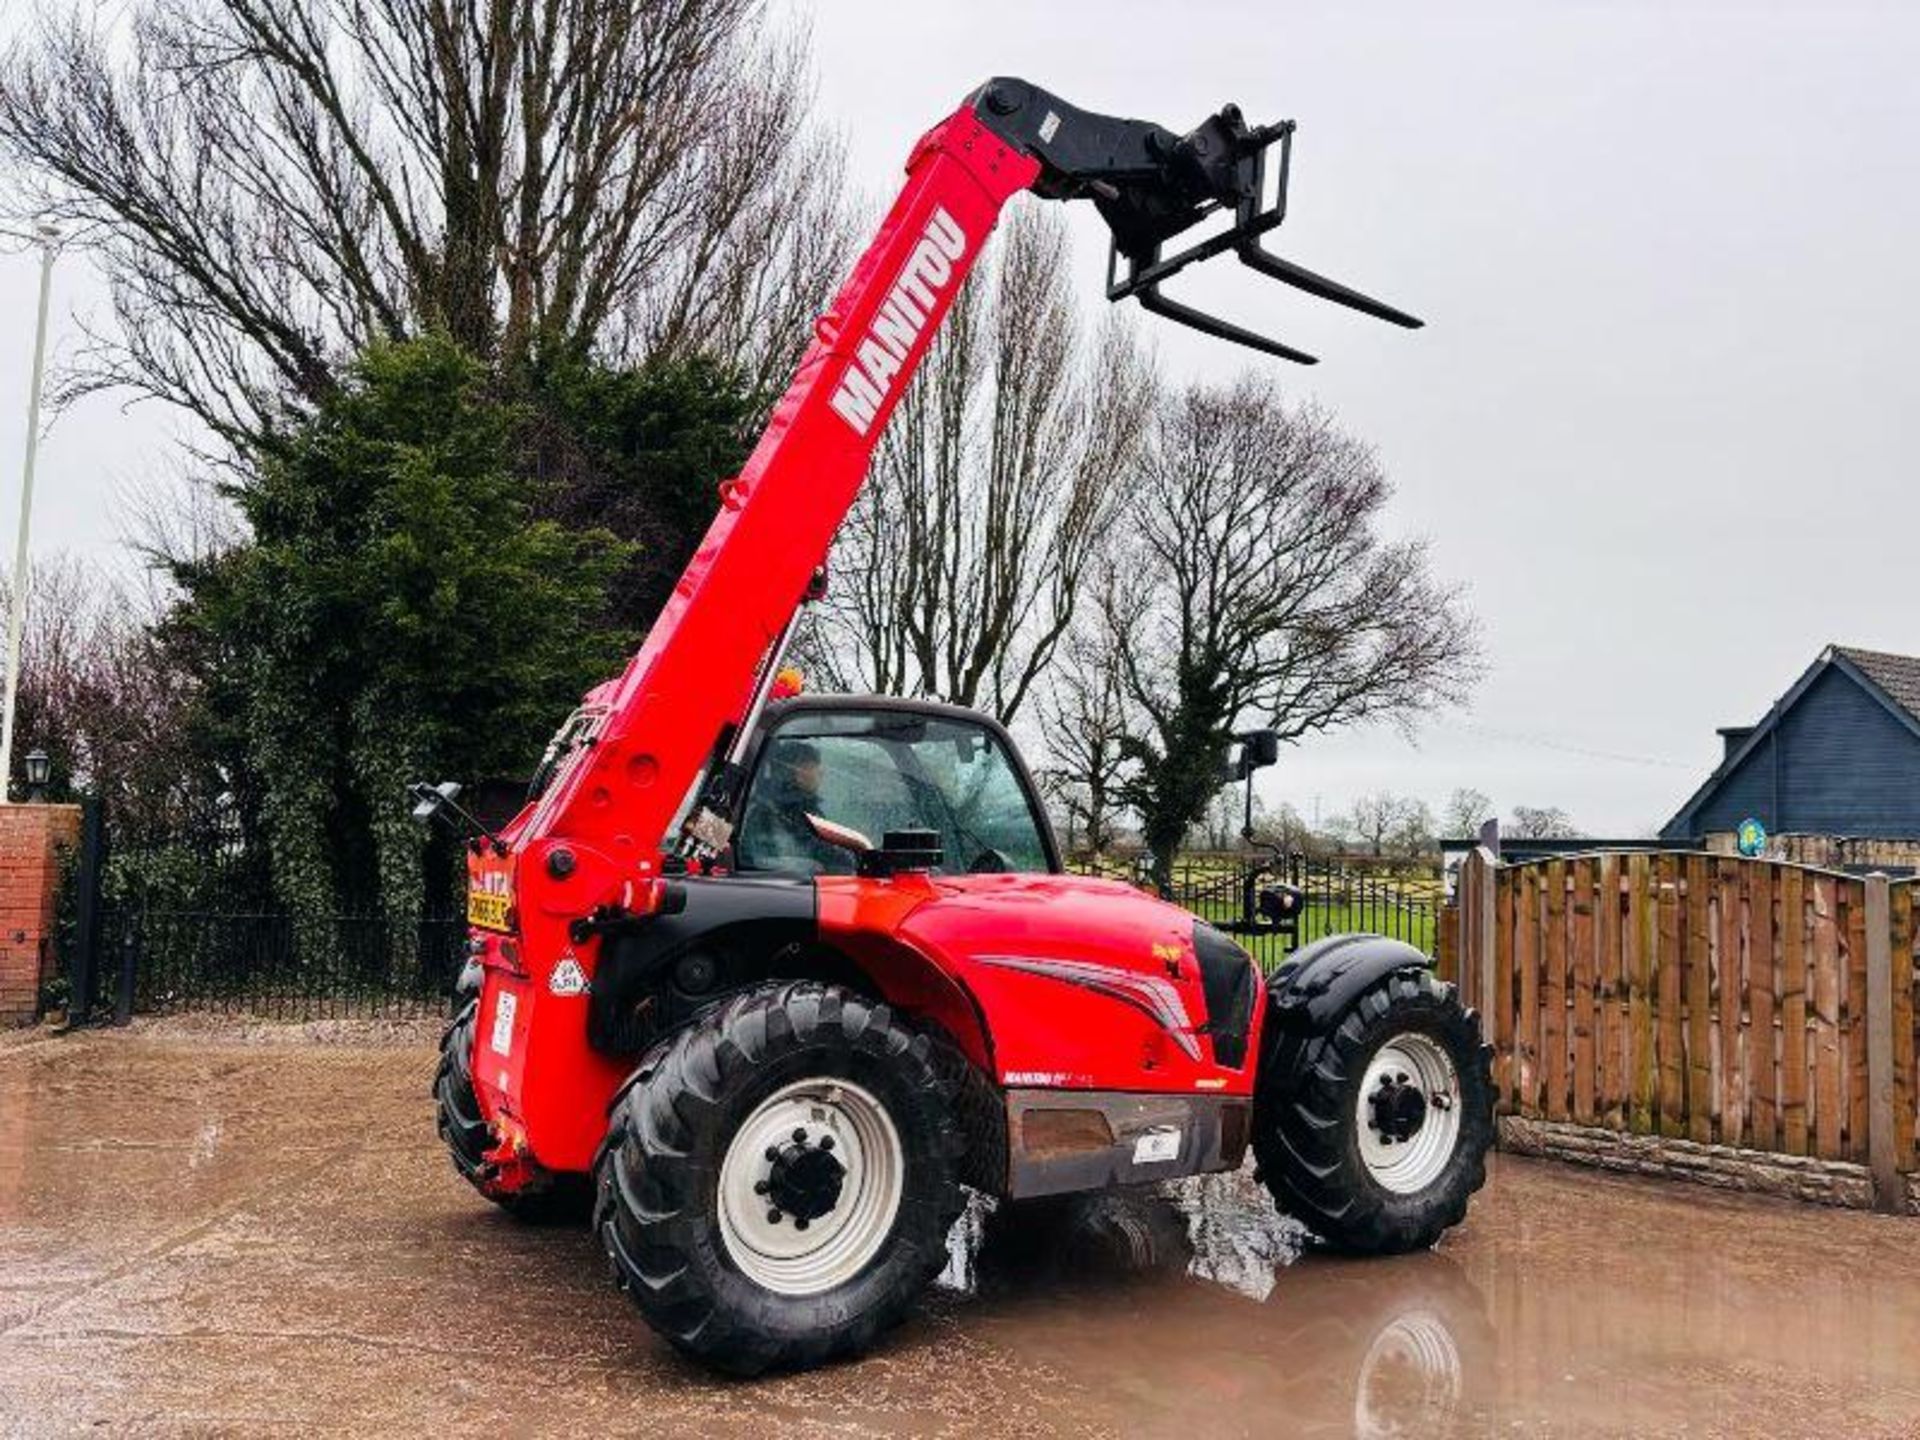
(1313, 990)
(725, 931)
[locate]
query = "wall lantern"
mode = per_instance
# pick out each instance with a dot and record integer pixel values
(39, 772)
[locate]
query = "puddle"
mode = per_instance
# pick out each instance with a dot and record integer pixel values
(1158, 1297)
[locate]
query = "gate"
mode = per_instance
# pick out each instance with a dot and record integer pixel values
(1337, 896)
(187, 921)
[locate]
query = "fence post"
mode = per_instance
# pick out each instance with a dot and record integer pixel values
(1466, 887)
(129, 964)
(1883, 1159)
(1486, 939)
(84, 970)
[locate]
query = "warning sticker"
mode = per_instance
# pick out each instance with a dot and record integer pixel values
(501, 1040)
(1158, 1144)
(568, 978)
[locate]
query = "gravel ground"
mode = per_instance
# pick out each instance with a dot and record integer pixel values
(244, 1228)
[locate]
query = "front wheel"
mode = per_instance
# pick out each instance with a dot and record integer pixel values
(778, 1182)
(1376, 1133)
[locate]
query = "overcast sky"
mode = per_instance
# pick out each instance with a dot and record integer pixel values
(1661, 422)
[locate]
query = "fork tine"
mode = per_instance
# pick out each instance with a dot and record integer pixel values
(1151, 299)
(1300, 278)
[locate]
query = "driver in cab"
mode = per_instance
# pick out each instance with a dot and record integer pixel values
(777, 834)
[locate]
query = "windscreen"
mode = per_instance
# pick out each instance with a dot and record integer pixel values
(886, 771)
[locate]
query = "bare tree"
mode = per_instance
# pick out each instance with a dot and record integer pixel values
(1288, 829)
(1382, 819)
(98, 695)
(1219, 825)
(273, 184)
(1413, 831)
(1264, 594)
(1001, 472)
(1467, 810)
(1086, 717)
(1543, 822)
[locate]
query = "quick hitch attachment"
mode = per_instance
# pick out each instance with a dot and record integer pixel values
(1150, 185)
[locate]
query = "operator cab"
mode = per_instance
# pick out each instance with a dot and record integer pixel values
(879, 766)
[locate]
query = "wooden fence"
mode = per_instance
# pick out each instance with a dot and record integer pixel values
(1705, 998)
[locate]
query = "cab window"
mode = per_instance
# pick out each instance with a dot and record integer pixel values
(881, 771)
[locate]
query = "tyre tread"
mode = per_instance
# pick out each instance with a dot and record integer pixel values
(650, 1175)
(1308, 1161)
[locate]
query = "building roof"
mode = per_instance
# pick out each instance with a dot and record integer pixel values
(1898, 675)
(1893, 680)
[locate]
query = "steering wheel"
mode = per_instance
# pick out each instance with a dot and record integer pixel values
(989, 862)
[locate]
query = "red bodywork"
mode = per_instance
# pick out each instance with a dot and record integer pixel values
(979, 954)
(1006, 964)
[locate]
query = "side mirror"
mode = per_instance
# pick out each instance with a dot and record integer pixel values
(1259, 749)
(430, 800)
(442, 802)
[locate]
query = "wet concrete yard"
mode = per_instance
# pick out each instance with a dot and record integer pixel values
(203, 1235)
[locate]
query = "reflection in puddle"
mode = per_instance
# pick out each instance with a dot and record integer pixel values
(1198, 1287)
(1412, 1369)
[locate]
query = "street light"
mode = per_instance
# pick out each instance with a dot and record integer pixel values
(39, 773)
(49, 238)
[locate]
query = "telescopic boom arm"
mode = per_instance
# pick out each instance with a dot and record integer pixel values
(688, 697)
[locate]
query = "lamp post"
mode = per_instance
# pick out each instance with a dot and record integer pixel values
(49, 241)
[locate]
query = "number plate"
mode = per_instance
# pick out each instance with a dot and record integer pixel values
(1157, 1145)
(487, 910)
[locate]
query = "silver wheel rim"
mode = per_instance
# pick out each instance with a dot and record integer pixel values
(1419, 1062)
(781, 1255)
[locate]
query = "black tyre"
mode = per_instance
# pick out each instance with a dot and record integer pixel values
(563, 1200)
(1376, 1133)
(778, 1179)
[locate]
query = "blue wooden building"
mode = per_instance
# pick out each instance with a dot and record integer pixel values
(1837, 755)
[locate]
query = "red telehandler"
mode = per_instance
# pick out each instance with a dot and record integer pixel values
(770, 1047)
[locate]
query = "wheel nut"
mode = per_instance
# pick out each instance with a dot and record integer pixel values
(773, 1153)
(826, 1142)
(773, 1217)
(760, 1187)
(801, 1223)
(799, 1135)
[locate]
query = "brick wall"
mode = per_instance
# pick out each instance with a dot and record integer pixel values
(31, 838)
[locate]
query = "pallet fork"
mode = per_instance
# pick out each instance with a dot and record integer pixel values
(1150, 185)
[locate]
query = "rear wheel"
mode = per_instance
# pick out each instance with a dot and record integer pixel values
(778, 1181)
(1376, 1133)
(564, 1200)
